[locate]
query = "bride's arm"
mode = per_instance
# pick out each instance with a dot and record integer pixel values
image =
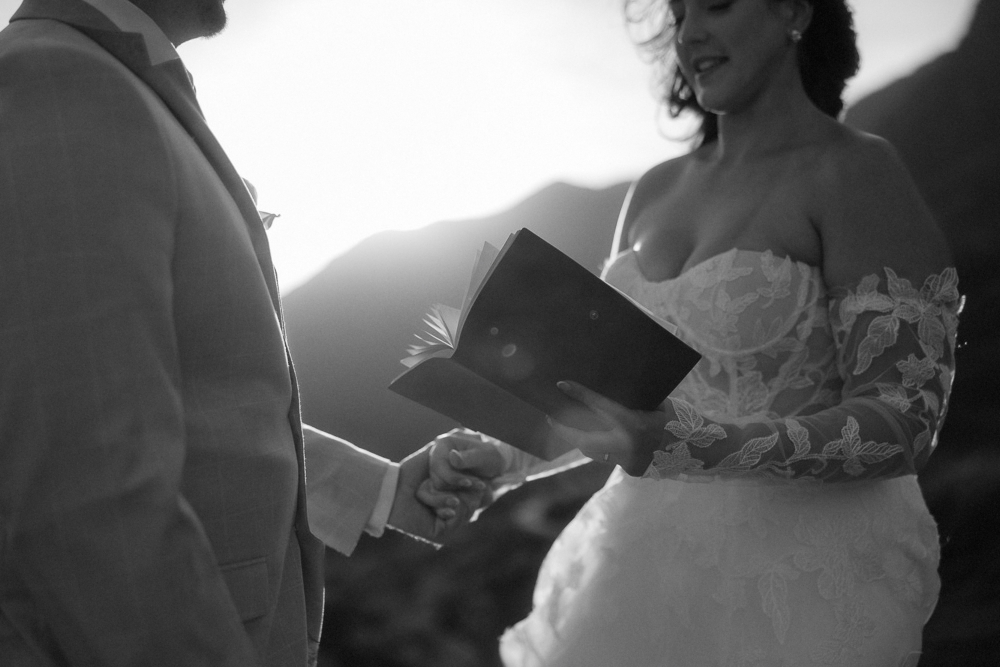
(895, 348)
(896, 357)
(521, 467)
(895, 354)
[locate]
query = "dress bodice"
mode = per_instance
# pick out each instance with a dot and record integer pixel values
(761, 324)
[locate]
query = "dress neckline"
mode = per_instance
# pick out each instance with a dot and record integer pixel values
(702, 264)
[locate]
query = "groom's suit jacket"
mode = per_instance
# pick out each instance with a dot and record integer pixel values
(152, 488)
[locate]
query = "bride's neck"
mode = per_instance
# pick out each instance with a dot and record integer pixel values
(769, 127)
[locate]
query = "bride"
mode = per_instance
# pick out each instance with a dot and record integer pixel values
(769, 513)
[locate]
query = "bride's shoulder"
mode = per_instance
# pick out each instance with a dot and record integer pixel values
(872, 215)
(850, 152)
(858, 170)
(662, 175)
(653, 184)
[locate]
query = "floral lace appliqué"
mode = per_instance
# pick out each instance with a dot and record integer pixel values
(894, 348)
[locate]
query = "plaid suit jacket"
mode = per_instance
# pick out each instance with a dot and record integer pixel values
(152, 489)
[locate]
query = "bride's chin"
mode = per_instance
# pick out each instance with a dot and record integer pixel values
(712, 103)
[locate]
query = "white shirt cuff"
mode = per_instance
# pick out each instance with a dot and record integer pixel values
(386, 495)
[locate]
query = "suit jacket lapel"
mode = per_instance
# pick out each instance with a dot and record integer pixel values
(170, 81)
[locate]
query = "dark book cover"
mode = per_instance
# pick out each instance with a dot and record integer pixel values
(533, 316)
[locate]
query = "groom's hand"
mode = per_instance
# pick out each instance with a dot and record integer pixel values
(428, 513)
(462, 464)
(460, 457)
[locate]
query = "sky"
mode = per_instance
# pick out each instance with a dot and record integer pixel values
(351, 117)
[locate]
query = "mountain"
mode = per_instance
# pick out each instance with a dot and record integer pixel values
(350, 325)
(943, 121)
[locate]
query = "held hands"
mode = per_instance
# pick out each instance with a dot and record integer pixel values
(462, 463)
(630, 440)
(442, 485)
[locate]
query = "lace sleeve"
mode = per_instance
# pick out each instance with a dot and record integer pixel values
(895, 354)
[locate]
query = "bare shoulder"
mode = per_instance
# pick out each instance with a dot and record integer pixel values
(871, 215)
(859, 155)
(658, 179)
(654, 183)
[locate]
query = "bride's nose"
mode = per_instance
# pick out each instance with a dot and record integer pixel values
(691, 30)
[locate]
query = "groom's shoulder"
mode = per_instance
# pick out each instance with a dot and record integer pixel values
(45, 51)
(51, 73)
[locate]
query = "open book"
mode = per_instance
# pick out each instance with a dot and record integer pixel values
(533, 316)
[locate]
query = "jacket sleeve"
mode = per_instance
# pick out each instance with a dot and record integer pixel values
(102, 559)
(895, 355)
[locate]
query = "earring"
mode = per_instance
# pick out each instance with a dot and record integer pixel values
(795, 36)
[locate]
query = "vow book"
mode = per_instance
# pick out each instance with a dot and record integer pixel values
(533, 316)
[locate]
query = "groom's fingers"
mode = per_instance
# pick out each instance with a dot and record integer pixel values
(450, 506)
(446, 478)
(445, 505)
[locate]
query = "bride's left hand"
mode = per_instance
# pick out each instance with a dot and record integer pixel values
(630, 440)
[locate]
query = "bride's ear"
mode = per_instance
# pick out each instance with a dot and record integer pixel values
(798, 14)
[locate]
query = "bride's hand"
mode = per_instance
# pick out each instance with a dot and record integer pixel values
(461, 464)
(630, 440)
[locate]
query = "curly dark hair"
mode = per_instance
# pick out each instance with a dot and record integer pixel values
(828, 57)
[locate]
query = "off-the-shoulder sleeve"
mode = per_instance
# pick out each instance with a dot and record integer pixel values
(895, 354)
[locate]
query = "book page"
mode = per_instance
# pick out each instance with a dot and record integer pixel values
(439, 340)
(445, 322)
(485, 261)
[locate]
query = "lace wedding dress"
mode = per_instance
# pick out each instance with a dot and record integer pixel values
(810, 542)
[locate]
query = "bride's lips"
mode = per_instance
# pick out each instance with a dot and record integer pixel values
(705, 65)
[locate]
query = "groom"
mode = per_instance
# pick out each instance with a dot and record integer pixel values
(153, 497)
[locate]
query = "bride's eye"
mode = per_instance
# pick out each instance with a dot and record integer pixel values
(720, 7)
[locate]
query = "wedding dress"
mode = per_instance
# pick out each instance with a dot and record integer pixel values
(812, 544)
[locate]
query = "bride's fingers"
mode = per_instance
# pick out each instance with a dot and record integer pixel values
(602, 446)
(602, 405)
(458, 459)
(444, 505)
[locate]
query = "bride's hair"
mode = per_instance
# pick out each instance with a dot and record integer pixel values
(828, 57)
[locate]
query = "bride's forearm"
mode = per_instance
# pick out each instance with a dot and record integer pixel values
(520, 466)
(858, 439)
(896, 358)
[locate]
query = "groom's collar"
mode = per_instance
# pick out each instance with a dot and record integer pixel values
(130, 35)
(129, 18)
(136, 41)
(137, 32)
